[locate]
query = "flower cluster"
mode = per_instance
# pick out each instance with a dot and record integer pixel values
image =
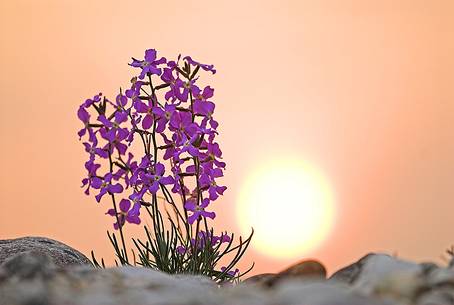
(173, 120)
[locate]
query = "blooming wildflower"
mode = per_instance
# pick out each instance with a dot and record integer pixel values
(163, 116)
(184, 88)
(203, 107)
(174, 84)
(149, 65)
(223, 238)
(170, 147)
(231, 272)
(121, 100)
(181, 250)
(182, 115)
(126, 213)
(152, 181)
(126, 169)
(187, 145)
(134, 92)
(177, 186)
(94, 100)
(105, 186)
(114, 137)
(141, 107)
(93, 150)
(207, 180)
(119, 117)
(211, 156)
(198, 210)
(203, 66)
(91, 167)
(84, 116)
(181, 123)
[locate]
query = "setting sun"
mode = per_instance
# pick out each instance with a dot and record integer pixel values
(290, 205)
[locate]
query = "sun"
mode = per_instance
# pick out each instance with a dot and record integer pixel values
(290, 205)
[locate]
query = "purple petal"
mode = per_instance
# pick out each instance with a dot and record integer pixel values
(159, 169)
(99, 196)
(193, 218)
(115, 188)
(154, 187)
(211, 215)
(147, 122)
(121, 148)
(125, 204)
(96, 182)
(111, 212)
(190, 206)
(167, 180)
(141, 107)
(150, 55)
(83, 115)
(104, 120)
(121, 117)
(208, 92)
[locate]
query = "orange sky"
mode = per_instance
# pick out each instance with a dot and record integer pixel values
(362, 89)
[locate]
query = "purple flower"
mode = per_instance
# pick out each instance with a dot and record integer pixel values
(163, 116)
(203, 66)
(94, 100)
(115, 137)
(126, 213)
(170, 147)
(152, 181)
(91, 167)
(105, 186)
(207, 181)
(149, 65)
(204, 95)
(141, 107)
(120, 101)
(198, 210)
(187, 145)
(126, 169)
(231, 272)
(205, 238)
(134, 92)
(211, 156)
(181, 250)
(174, 84)
(119, 117)
(84, 116)
(205, 108)
(223, 238)
(93, 150)
(181, 123)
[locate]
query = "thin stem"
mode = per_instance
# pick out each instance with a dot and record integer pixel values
(115, 207)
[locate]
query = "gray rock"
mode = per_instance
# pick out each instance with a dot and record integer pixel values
(321, 293)
(379, 268)
(32, 278)
(264, 279)
(389, 278)
(61, 254)
(27, 265)
(349, 273)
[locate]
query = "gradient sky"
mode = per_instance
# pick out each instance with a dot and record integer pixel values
(364, 90)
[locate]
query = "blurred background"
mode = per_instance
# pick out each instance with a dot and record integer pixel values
(363, 90)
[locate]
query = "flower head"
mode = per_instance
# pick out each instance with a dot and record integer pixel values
(126, 213)
(105, 186)
(149, 65)
(198, 210)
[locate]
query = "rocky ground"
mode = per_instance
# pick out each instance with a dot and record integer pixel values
(41, 271)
